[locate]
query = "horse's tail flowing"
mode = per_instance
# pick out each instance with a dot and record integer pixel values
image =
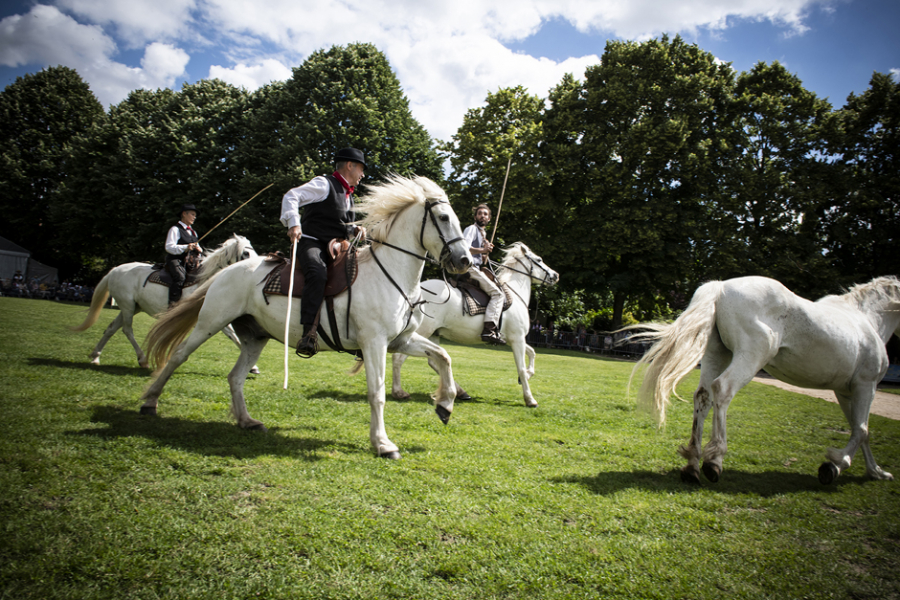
(173, 327)
(98, 301)
(677, 350)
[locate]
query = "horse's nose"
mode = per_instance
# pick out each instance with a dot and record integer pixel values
(465, 262)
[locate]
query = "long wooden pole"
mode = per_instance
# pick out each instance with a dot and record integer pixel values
(234, 211)
(287, 319)
(502, 192)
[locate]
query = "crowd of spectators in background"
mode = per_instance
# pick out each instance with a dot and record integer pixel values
(615, 344)
(17, 287)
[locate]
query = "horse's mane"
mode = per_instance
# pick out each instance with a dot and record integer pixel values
(510, 254)
(879, 291)
(385, 200)
(220, 257)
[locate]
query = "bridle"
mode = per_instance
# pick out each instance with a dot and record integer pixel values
(445, 250)
(544, 280)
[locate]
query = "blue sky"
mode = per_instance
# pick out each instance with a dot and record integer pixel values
(447, 54)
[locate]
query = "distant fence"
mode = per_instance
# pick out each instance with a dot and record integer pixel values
(612, 345)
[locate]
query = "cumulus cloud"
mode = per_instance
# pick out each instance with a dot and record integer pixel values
(448, 54)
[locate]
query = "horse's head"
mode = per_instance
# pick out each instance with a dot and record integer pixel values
(423, 207)
(518, 258)
(234, 249)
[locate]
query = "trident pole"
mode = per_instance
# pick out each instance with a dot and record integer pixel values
(234, 211)
(287, 319)
(503, 191)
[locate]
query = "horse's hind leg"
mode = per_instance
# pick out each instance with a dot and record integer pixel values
(228, 330)
(529, 354)
(251, 347)
(179, 357)
(127, 320)
(856, 407)
(397, 390)
(110, 331)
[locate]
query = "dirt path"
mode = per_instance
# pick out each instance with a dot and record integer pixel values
(885, 404)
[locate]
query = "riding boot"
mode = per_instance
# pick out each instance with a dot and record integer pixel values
(174, 294)
(309, 342)
(492, 335)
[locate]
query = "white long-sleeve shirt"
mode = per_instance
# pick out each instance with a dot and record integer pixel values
(475, 239)
(172, 245)
(315, 190)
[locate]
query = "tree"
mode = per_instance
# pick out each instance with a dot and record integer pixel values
(40, 115)
(864, 220)
(645, 136)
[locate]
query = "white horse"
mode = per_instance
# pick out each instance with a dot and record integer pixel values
(737, 327)
(132, 292)
(406, 219)
(445, 317)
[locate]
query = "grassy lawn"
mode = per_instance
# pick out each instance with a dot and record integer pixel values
(579, 498)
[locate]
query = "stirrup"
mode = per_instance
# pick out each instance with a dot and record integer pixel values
(493, 337)
(308, 345)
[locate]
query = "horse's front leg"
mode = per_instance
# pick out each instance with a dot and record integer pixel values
(856, 407)
(376, 367)
(113, 327)
(251, 348)
(690, 473)
(397, 390)
(416, 345)
(530, 354)
(519, 348)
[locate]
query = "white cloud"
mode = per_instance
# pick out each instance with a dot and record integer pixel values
(137, 22)
(895, 73)
(251, 77)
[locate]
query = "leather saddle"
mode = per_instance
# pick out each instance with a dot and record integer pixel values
(342, 271)
(475, 300)
(161, 276)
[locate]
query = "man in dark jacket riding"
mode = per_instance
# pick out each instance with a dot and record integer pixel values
(182, 250)
(327, 203)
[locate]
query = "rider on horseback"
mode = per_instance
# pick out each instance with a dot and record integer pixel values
(182, 250)
(328, 214)
(481, 275)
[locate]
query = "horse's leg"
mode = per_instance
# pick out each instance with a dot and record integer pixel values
(376, 365)
(228, 330)
(251, 348)
(856, 407)
(181, 354)
(519, 349)
(127, 319)
(416, 345)
(112, 329)
(397, 390)
(530, 354)
(715, 361)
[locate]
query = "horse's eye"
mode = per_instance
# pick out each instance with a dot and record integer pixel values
(445, 218)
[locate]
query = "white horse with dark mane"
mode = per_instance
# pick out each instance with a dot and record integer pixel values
(739, 326)
(446, 317)
(406, 219)
(128, 285)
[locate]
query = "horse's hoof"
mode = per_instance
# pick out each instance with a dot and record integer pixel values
(143, 365)
(828, 473)
(390, 455)
(443, 414)
(464, 396)
(690, 475)
(148, 410)
(712, 471)
(255, 370)
(258, 427)
(401, 395)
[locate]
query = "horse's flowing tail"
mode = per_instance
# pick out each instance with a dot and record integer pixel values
(677, 350)
(173, 327)
(101, 293)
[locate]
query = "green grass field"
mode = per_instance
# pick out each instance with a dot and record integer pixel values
(579, 498)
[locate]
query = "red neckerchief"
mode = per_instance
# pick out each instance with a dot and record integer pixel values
(347, 187)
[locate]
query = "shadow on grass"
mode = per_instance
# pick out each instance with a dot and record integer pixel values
(111, 369)
(210, 438)
(766, 484)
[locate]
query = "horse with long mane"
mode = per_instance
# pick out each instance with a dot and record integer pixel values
(444, 315)
(739, 326)
(128, 285)
(406, 219)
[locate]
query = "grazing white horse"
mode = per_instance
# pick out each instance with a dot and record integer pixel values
(739, 326)
(406, 219)
(132, 292)
(445, 317)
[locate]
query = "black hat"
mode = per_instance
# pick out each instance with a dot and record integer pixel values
(350, 154)
(186, 207)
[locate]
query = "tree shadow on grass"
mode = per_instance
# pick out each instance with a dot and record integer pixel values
(209, 438)
(765, 484)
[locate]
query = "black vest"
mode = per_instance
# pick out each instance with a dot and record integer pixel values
(328, 219)
(185, 238)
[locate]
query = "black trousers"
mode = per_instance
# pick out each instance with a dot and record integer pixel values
(175, 269)
(313, 259)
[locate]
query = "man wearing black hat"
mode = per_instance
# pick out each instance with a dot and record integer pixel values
(181, 244)
(327, 203)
